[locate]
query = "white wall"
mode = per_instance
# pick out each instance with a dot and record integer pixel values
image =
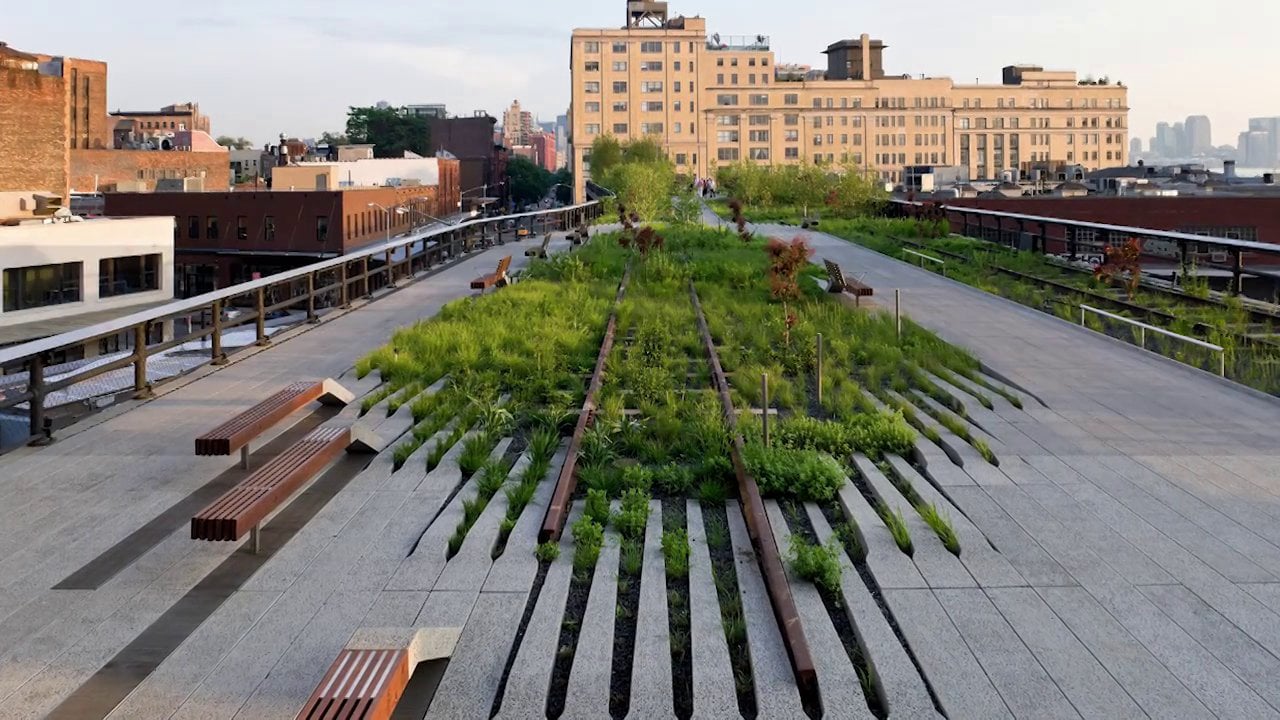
(360, 173)
(87, 242)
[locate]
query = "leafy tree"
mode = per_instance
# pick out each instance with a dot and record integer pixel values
(235, 143)
(527, 181)
(643, 150)
(606, 153)
(389, 131)
(334, 138)
(562, 180)
(854, 192)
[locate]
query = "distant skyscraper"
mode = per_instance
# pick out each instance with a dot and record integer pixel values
(1199, 135)
(1135, 147)
(517, 126)
(1179, 135)
(1163, 145)
(1269, 154)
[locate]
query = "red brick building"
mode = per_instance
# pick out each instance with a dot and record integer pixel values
(109, 170)
(483, 161)
(222, 238)
(34, 148)
(544, 150)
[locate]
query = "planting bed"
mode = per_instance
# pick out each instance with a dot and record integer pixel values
(667, 592)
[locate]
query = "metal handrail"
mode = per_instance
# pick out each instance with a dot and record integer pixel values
(924, 257)
(1144, 327)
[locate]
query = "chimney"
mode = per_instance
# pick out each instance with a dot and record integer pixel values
(1229, 170)
(866, 56)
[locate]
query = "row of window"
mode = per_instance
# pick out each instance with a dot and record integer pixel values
(751, 62)
(751, 78)
(645, 106)
(649, 128)
(44, 285)
(646, 66)
(620, 86)
(1043, 103)
(982, 123)
(592, 47)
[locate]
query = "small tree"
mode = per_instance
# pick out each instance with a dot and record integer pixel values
(1122, 261)
(786, 260)
(740, 220)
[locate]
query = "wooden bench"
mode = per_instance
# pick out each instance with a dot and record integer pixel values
(242, 509)
(495, 279)
(838, 283)
(236, 433)
(369, 676)
(539, 252)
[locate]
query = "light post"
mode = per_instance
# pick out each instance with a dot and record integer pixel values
(391, 273)
(388, 213)
(484, 189)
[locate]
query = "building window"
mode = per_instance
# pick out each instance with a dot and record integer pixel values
(727, 154)
(791, 99)
(792, 153)
(724, 100)
(728, 120)
(211, 227)
(591, 87)
(619, 65)
(619, 47)
(652, 66)
(651, 46)
(591, 46)
(758, 136)
(269, 228)
(792, 136)
(651, 86)
(619, 86)
(651, 106)
(677, 128)
(760, 153)
(733, 79)
(592, 66)
(677, 62)
(651, 128)
(41, 285)
(619, 105)
(758, 99)
(682, 159)
(193, 227)
(719, 78)
(678, 86)
(242, 227)
(727, 136)
(593, 106)
(791, 120)
(619, 128)
(759, 120)
(127, 275)
(676, 106)
(322, 228)
(593, 128)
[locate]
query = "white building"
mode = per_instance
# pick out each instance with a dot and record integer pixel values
(369, 172)
(60, 274)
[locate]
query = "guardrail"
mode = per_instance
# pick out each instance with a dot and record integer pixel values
(329, 283)
(1142, 335)
(930, 258)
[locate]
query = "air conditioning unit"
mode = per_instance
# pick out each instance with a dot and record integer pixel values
(1218, 257)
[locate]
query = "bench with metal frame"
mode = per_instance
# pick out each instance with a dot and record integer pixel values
(542, 251)
(838, 283)
(239, 431)
(370, 674)
(495, 279)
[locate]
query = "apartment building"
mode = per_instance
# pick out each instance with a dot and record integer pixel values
(714, 100)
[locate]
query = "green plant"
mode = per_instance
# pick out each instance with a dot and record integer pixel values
(631, 556)
(675, 552)
(634, 513)
(588, 539)
(492, 475)
(941, 524)
(548, 551)
(455, 541)
(849, 535)
(897, 525)
(713, 491)
(819, 564)
(597, 506)
(802, 474)
(543, 443)
(637, 477)
(475, 452)
(471, 509)
(604, 478)
(597, 446)
(673, 479)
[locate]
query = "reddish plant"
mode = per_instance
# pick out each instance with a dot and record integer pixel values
(740, 220)
(786, 260)
(789, 320)
(1122, 261)
(648, 239)
(628, 230)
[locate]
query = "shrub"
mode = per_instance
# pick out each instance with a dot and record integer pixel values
(543, 443)
(632, 557)
(605, 478)
(637, 477)
(492, 475)
(588, 539)
(786, 260)
(675, 552)
(634, 513)
(475, 451)
(802, 474)
(819, 564)
(713, 491)
(715, 468)
(673, 479)
(548, 551)
(597, 506)
(518, 496)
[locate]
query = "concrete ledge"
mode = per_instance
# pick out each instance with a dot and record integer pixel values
(421, 643)
(334, 394)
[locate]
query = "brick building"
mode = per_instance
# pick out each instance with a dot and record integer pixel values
(140, 170)
(222, 238)
(544, 150)
(483, 161)
(34, 148)
(168, 119)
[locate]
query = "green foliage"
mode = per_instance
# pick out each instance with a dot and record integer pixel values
(527, 181)
(605, 478)
(492, 476)
(518, 496)
(606, 153)
(597, 506)
(634, 514)
(631, 557)
(674, 479)
(390, 130)
(802, 474)
(543, 443)
(713, 491)
(475, 452)
(872, 434)
(844, 190)
(548, 551)
(897, 525)
(234, 143)
(675, 552)
(588, 539)
(941, 524)
(819, 564)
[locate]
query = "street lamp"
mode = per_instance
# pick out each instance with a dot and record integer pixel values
(388, 212)
(405, 211)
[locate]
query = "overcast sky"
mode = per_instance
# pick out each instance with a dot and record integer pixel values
(262, 67)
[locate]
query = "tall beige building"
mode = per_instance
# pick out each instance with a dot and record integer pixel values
(714, 100)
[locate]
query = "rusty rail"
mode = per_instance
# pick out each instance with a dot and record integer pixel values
(775, 577)
(558, 510)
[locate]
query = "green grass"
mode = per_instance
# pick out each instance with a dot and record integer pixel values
(475, 452)
(675, 552)
(941, 524)
(588, 539)
(897, 524)
(547, 552)
(819, 564)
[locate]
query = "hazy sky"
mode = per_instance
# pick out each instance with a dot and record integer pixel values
(262, 67)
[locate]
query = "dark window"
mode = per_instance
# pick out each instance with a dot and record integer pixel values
(127, 275)
(193, 227)
(269, 228)
(41, 285)
(211, 227)
(322, 228)
(242, 227)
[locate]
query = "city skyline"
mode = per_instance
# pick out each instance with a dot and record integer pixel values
(377, 53)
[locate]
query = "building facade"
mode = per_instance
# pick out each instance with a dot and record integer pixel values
(713, 100)
(167, 120)
(482, 162)
(517, 126)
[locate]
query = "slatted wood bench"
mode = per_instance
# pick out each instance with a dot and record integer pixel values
(369, 676)
(494, 279)
(241, 510)
(539, 252)
(239, 431)
(838, 283)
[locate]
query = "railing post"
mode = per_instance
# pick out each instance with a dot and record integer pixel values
(764, 413)
(364, 275)
(311, 298)
(897, 311)
(1237, 271)
(35, 385)
(391, 270)
(343, 301)
(141, 389)
(819, 369)
(260, 322)
(217, 357)
(1071, 242)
